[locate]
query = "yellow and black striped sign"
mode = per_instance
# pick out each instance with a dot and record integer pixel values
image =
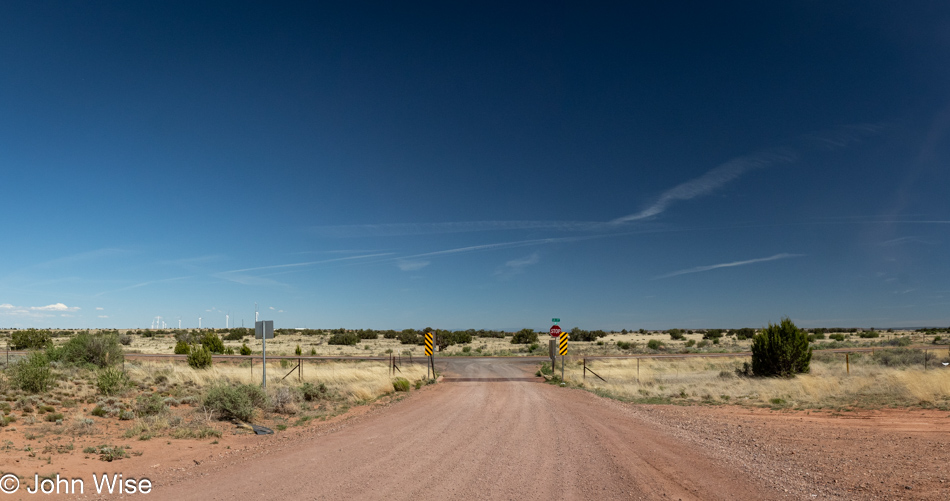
(428, 344)
(563, 344)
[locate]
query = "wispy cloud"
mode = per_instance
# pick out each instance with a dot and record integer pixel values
(904, 240)
(516, 266)
(103, 316)
(141, 284)
(307, 263)
(700, 269)
(710, 181)
(243, 276)
(405, 265)
(82, 256)
(403, 229)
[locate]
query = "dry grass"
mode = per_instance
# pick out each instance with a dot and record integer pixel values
(714, 381)
(355, 381)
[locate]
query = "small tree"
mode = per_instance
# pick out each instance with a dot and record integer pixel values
(182, 348)
(212, 342)
(31, 339)
(199, 358)
(245, 349)
(780, 350)
(525, 336)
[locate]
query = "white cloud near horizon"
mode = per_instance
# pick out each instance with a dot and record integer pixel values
(700, 269)
(37, 311)
(54, 307)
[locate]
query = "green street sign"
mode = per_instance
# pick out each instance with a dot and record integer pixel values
(555, 320)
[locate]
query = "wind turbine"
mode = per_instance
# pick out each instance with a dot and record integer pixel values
(199, 322)
(227, 320)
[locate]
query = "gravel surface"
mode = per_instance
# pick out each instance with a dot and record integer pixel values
(888, 454)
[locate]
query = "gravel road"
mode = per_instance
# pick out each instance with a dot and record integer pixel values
(496, 434)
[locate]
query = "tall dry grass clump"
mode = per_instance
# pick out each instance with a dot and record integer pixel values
(828, 384)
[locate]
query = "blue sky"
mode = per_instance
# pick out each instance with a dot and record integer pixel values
(369, 165)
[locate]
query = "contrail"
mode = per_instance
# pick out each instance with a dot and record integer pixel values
(729, 265)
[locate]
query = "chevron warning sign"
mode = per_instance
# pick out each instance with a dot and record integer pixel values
(563, 344)
(428, 344)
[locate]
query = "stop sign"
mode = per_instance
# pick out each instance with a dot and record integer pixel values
(555, 331)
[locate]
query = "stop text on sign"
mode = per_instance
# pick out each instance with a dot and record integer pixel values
(555, 331)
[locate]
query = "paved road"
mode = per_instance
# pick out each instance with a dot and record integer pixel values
(481, 439)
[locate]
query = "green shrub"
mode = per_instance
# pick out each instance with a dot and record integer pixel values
(578, 334)
(409, 336)
(676, 334)
(690, 343)
(624, 345)
(54, 416)
(898, 341)
(31, 374)
(98, 411)
(525, 336)
(654, 344)
(311, 392)
(199, 358)
(780, 350)
(237, 334)
(245, 350)
(112, 381)
(836, 337)
(31, 339)
(211, 342)
(744, 333)
(235, 402)
(182, 348)
(869, 335)
(401, 384)
(151, 404)
(344, 338)
(101, 350)
(712, 334)
(229, 351)
(298, 351)
(899, 357)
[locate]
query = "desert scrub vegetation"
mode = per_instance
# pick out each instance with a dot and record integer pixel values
(525, 336)
(32, 374)
(780, 350)
(886, 378)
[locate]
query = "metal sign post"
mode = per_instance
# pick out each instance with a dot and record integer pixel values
(429, 354)
(264, 330)
(563, 351)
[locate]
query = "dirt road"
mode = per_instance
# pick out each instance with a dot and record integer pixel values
(495, 435)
